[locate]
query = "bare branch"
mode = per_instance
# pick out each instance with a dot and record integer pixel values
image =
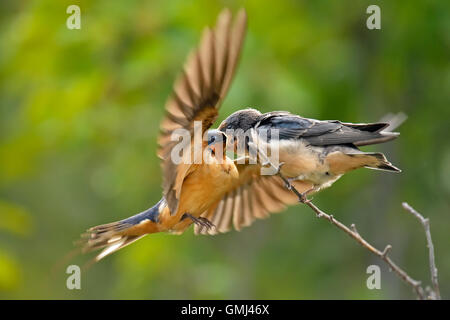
(435, 293)
(415, 284)
(352, 232)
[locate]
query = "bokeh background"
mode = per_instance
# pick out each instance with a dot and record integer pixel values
(79, 118)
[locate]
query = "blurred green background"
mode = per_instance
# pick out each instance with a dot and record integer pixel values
(79, 117)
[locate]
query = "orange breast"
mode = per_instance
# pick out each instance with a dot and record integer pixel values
(204, 186)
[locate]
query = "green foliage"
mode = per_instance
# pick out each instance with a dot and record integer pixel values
(79, 117)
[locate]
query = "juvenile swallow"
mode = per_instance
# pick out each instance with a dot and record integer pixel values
(313, 153)
(189, 189)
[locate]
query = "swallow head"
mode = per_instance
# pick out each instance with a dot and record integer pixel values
(242, 119)
(238, 125)
(216, 138)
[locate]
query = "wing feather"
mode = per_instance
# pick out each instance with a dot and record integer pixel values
(199, 91)
(324, 133)
(255, 198)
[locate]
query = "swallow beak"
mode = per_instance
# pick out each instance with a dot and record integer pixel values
(212, 147)
(217, 144)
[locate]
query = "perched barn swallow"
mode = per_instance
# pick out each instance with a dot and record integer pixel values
(314, 154)
(189, 188)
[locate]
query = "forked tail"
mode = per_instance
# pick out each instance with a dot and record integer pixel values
(383, 131)
(378, 161)
(371, 160)
(116, 235)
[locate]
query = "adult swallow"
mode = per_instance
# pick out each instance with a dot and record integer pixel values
(189, 188)
(313, 153)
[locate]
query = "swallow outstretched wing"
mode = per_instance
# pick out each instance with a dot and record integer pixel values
(256, 196)
(198, 94)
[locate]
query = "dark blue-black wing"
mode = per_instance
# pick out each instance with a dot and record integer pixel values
(322, 133)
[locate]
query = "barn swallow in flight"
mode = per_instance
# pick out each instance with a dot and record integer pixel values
(189, 189)
(312, 154)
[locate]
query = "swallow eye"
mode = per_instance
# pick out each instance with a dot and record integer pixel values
(215, 136)
(212, 139)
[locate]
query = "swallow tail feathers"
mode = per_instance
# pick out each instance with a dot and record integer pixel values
(341, 162)
(114, 236)
(378, 161)
(372, 133)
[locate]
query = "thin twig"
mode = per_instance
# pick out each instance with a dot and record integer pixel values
(415, 284)
(352, 232)
(433, 270)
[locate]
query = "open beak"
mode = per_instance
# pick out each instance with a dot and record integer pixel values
(212, 147)
(217, 142)
(217, 147)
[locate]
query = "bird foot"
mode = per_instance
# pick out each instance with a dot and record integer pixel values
(200, 221)
(288, 183)
(280, 165)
